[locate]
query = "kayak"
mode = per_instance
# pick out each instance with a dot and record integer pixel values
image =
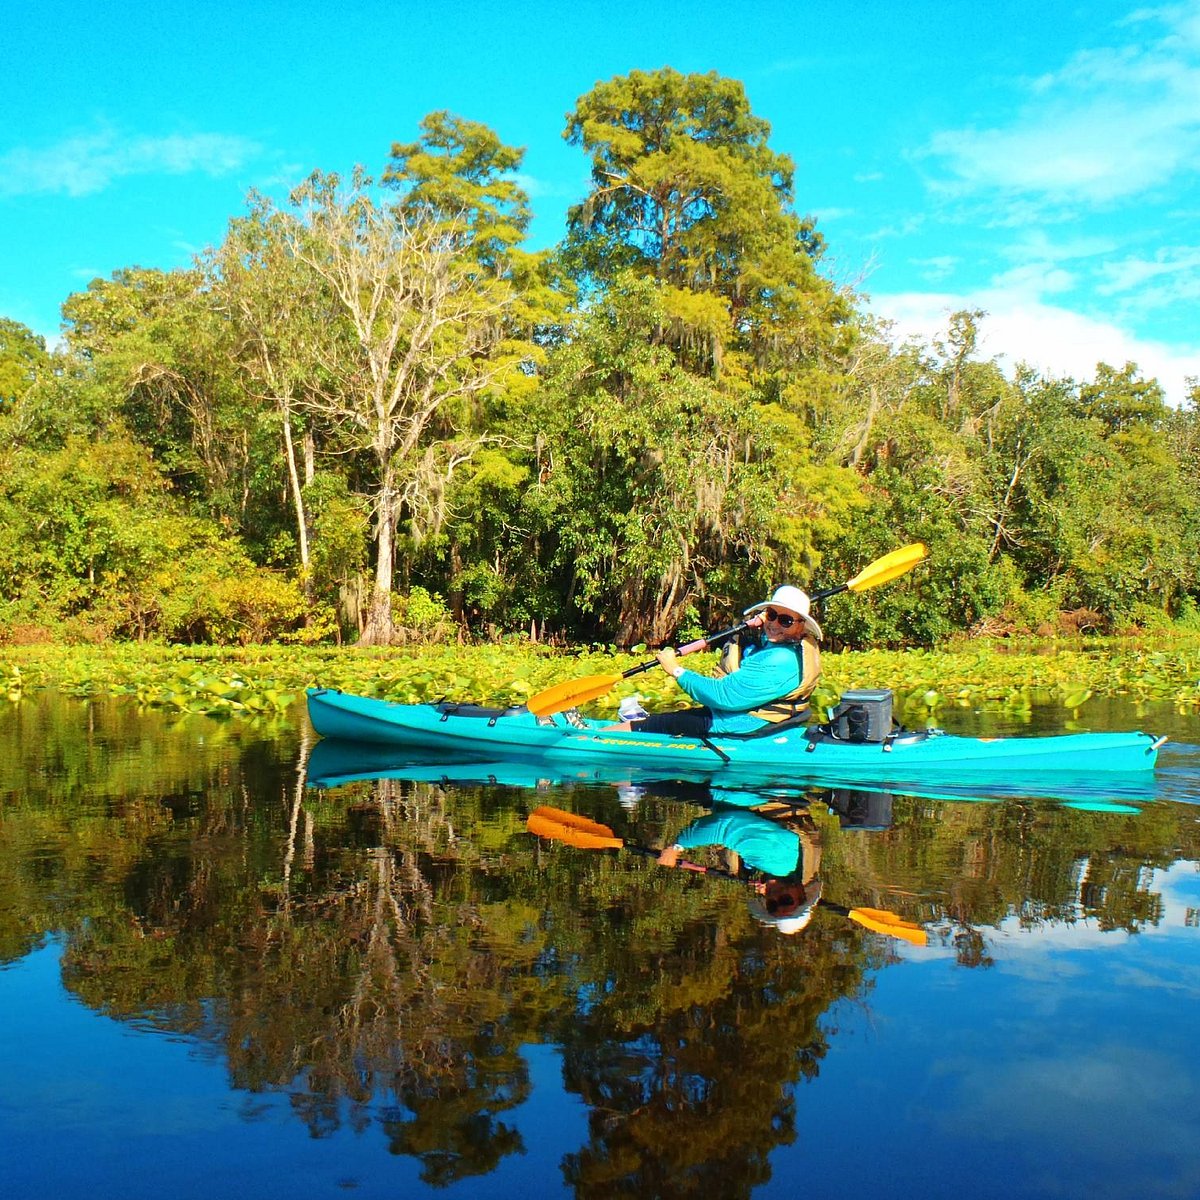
(475, 731)
(333, 763)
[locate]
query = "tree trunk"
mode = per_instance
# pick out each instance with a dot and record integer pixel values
(379, 630)
(455, 592)
(297, 495)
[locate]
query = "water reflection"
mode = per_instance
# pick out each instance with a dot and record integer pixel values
(334, 763)
(379, 943)
(770, 845)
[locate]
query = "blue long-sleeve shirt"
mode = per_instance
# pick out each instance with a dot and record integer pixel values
(762, 844)
(767, 673)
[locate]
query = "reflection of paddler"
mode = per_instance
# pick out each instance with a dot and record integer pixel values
(787, 850)
(787, 902)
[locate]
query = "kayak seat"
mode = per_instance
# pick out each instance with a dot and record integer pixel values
(449, 708)
(768, 730)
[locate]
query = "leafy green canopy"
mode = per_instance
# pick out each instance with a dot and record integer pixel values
(686, 189)
(22, 356)
(658, 489)
(460, 172)
(376, 394)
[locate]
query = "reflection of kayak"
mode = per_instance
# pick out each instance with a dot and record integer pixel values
(333, 763)
(470, 730)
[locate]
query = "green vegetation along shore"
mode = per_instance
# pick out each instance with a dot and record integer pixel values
(262, 680)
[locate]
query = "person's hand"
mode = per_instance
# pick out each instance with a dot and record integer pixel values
(756, 622)
(669, 857)
(668, 661)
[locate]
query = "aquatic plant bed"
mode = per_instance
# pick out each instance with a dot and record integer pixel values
(260, 680)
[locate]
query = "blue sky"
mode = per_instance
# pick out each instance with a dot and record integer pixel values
(1038, 161)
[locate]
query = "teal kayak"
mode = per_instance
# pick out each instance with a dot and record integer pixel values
(474, 731)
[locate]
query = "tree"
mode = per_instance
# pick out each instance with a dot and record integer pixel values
(22, 356)
(279, 311)
(461, 174)
(659, 490)
(686, 189)
(416, 342)
(462, 177)
(158, 352)
(1121, 400)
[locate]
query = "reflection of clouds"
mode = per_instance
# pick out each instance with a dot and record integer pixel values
(1042, 951)
(1179, 888)
(1186, 980)
(1102, 1102)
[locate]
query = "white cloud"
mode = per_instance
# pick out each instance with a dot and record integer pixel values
(1173, 270)
(936, 268)
(1034, 245)
(1038, 277)
(89, 163)
(1055, 340)
(539, 188)
(1096, 155)
(1112, 123)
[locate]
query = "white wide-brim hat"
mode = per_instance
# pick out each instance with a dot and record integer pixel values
(795, 919)
(795, 601)
(792, 923)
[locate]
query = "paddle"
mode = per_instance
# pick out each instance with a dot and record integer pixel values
(579, 691)
(574, 830)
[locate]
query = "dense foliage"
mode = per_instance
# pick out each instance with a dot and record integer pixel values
(373, 414)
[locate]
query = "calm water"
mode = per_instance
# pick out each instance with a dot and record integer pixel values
(220, 975)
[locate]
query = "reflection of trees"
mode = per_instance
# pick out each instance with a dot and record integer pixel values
(378, 983)
(359, 974)
(1037, 861)
(692, 1024)
(420, 1012)
(695, 1103)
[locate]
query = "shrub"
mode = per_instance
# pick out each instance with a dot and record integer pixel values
(424, 613)
(1189, 614)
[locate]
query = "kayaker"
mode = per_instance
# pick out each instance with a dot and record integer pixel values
(785, 849)
(770, 681)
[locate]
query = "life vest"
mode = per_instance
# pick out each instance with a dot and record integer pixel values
(793, 705)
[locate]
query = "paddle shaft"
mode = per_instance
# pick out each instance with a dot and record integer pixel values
(877, 920)
(716, 639)
(578, 691)
(684, 864)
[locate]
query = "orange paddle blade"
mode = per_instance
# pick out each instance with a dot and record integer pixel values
(572, 829)
(889, 567)
(881, 921)
(567, 695)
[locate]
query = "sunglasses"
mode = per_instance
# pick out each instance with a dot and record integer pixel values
(774, 904)
(782, 619)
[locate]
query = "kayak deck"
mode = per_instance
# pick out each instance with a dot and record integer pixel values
(479, 731)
